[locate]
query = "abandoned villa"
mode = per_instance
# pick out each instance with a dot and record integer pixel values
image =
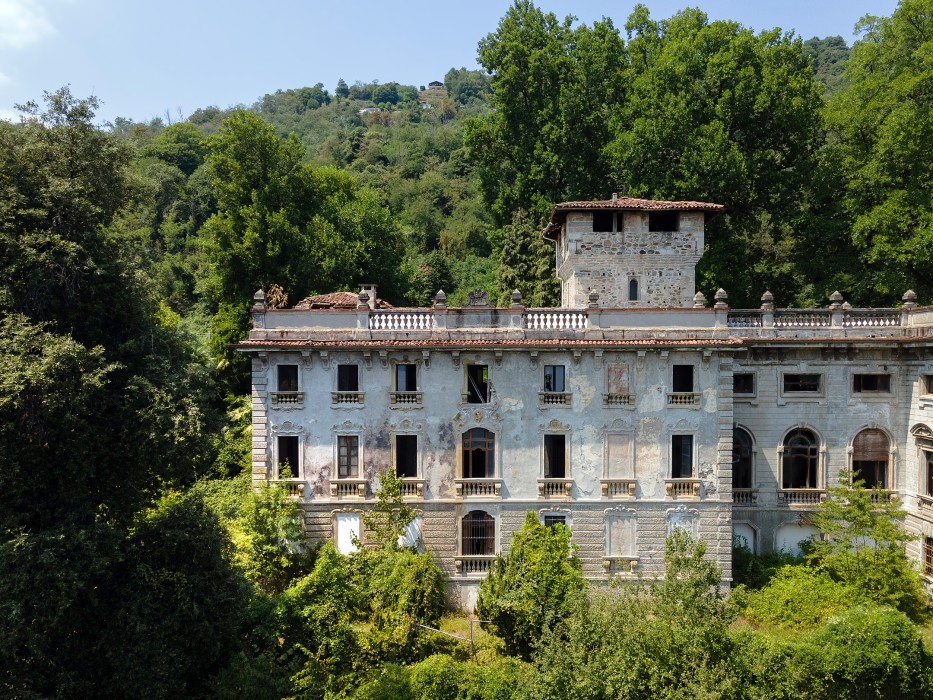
(636, 407)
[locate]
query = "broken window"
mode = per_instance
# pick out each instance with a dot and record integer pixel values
(406, 378)
(555, 457)
(477, 384)
(743, 383)
(870, 453)
(802, 383)
(682, 379)
(288, 378)
(348, 456)
(554, 378)
(479, 534)
(348, 378)
(288, 456)
(479, 454)
(550, 520)
(406, 456)
(602, 221)
(681, 456)
(664, 221)
(741, 459)
(871, 383)
(801, 457)
(633, 289)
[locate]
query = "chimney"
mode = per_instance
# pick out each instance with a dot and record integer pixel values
(370, 289)
(615, 196)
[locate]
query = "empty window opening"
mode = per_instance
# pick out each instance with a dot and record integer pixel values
(478, 534)
(288, 377)
(479, 454)
(664, 221)
(555, 458)
(681, 456)
(926, 384)
(801, 457)
(928, 556)
(348, 456)
(871, 383)
(602, 221)
(477, 384)
(554, 378)
(552, 520)
(743, 383)
(683, 379)
(406, 456)
(741, 459)
(928, 464)
(633, 289)
(406, 378)
(348, 378)
(870, 454)
(288, 456)
(803, 383)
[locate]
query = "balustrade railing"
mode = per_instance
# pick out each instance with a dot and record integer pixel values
(484, 488)
(683, 399)
(294, 487)
(473, 564)
(412, 488)
(346, 398)
(871, 318)
(801, 497)
(554, 398)
(925, 503)
(745, 497)
(802, 318)
(613, 400)
(405, 398)
(348, 488)
(744, 319)
(620, 564)
(554, 488)
(554, 320)
(284, 398)
(617, 488)
(879, 497)
(682, 488)
(401, 320)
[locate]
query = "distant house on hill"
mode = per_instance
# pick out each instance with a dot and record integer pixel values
(371, 110)
(435, 84)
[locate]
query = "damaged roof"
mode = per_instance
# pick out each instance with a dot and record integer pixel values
(559, 212)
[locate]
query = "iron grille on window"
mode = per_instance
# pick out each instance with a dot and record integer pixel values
(479, 534)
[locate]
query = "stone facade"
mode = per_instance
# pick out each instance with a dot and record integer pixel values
(621, 420)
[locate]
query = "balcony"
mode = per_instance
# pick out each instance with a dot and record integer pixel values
(348, 489)
(473, 565)
(295, 488)
(801, 497)
(618, 400)
(346, 398)
(925, 504)
(682, 488)
(880, 497)
(688, 398)
(287, 398)
(412, 488)
(478, 488)
(547, 399)
(617, 488)
(745, 497)
(620, 565)
(554, 320)
(555, 488)
(405, 399)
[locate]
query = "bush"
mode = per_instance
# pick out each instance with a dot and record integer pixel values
(438, 677)
(798, 596)
(756, 570)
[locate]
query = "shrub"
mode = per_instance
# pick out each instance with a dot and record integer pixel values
(756, 570)
(798, 596)
(438, 677)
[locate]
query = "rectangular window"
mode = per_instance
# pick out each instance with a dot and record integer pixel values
(681, 456)
(682, 376)
(871, 383)
(802, 383)
(348, 456)
(554, 378)
(288, 456)
(664, 221)
(743, 383)
(926, 384)
(406, 456)
(552, 520)
(348, 532)
(602, 221)
(477, 384)
(928, 556)
(288, 378)
(928, 480)
(406, 378)
(555, 465)
(348, 378)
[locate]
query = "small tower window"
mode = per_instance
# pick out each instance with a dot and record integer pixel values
(664, 221)
(602, 221)
(633, 289)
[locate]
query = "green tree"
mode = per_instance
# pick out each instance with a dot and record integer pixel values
(527, 264)
(342, 90)
(181, 145)
(532, 587)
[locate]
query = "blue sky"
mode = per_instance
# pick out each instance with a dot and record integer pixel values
(143, 58)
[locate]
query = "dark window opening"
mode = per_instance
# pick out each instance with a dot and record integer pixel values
(801, 457)
(552, 520)
(406, 456)
(288, 456)
(683, 379)
(871, 383)
(928, 556)
(348, 378)
(664, 221)
(633, 290)
(681, 456)
(928, 459)
(602, 221)
(554, 378)
(926, 384)
(479, 534)
(741, 459)
(348, 456)
(743, 383)
(477, 384)
(802, 383)
(479, 454)
(405, 378)
(288, 377)
(870, 452)
(555, 457)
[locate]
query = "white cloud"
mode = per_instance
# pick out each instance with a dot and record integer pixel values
(23, 23)
(5, 79)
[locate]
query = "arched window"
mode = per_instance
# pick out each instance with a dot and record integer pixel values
(870, 454)
(801, 457)
(479, 534)
(479, 454)
(633, 289)
(741, 459)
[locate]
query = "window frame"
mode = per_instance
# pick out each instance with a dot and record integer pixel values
(692, 454)
(413, 371)
(490, 524)
(751, 457)
(889, 470)
(359, 456)
(490, 452)
(563, 451)
(858, 379)
(297, 468)
(468, 386)
(745, 394)
(787, 383)
(558, 372)
(337, 377)
(278, 377)
(659, 221)
(417, 455)
(817, 458)
(674, 381)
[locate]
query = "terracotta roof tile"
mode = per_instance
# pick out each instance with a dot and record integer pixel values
(559, 212)
(337, 300)
(455, 343)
